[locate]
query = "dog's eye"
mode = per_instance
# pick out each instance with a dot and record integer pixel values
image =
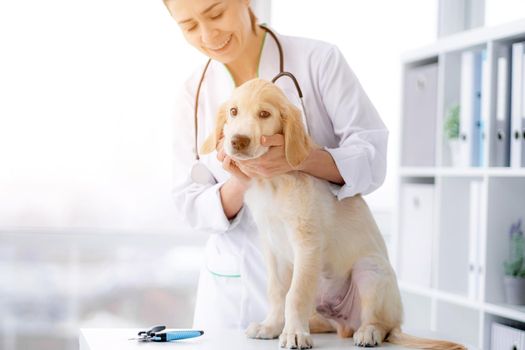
(233, 111)
(264, 114)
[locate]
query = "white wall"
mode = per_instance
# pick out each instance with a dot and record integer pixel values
(503, 11)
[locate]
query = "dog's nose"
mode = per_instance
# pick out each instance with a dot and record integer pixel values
(240, 142)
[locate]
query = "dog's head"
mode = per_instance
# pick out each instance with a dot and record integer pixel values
(257, 108)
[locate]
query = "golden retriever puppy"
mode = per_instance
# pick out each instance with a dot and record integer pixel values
(327, 263)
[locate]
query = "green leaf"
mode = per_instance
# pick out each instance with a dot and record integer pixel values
(451, 126)
(513, 268)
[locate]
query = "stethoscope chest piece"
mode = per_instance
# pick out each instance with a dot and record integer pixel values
(201, 174)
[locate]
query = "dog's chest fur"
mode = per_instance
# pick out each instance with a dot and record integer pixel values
(272, 203)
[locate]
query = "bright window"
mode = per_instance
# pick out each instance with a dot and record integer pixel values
(87, 93)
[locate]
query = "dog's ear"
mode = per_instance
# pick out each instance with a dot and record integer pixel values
(210, 144)
(296, 141)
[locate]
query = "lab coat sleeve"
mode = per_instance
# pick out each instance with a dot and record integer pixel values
(362, 136)
(197, 206)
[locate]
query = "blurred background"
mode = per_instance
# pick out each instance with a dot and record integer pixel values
(87, 231)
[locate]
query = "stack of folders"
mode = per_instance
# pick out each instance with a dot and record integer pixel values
(472, 110)
(502, 123)
(517, 120)
(509, 125)
(509, 130)
(474, 262)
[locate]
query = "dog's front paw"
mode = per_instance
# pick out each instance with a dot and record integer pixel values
(369, 335)
(296, 340)
(264, 330)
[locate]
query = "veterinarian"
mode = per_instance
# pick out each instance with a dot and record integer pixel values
(209, 189)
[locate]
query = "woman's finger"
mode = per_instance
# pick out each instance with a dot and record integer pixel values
(248, 171)
(220, 150)
(220, 155)
(272, 140)
(229, 165)
(251, 166)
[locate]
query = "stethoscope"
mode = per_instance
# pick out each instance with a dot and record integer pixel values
(199, 172)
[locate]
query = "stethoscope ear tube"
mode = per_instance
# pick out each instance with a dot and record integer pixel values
(299, 92)
(291, 76)
(199, 172)
(196, 110)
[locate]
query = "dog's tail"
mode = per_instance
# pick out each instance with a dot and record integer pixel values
(399, 338)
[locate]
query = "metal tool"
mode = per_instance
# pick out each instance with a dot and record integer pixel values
(161, 334)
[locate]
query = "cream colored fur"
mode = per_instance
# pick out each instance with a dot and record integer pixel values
(309, 237)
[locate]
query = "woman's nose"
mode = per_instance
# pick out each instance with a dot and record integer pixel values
(208, 35)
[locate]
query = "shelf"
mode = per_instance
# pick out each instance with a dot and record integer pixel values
(440, 295)
(470, 38)
(442, 171)
(458, 300)
(460, 172)
(506, 172)
(410, 288)
(513, 312)
(417, 172)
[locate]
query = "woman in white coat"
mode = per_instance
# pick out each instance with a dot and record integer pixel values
(340, 118)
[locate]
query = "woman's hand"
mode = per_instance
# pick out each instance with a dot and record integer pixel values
(232, 191)
(231, 166)
(270, 164)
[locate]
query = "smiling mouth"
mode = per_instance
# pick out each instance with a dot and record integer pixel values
(221, 45)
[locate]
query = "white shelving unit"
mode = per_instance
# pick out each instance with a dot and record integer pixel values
(447, 302)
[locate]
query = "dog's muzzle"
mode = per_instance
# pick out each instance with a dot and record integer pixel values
(240, 142)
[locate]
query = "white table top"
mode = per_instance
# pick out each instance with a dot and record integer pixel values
(117, 338)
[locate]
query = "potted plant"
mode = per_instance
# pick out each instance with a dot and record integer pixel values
(514, 280)
(451, 129)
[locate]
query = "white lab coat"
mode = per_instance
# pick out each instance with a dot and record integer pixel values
(341, 119)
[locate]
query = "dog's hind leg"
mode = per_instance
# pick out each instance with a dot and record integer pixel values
(319, 324)
(381, 309)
